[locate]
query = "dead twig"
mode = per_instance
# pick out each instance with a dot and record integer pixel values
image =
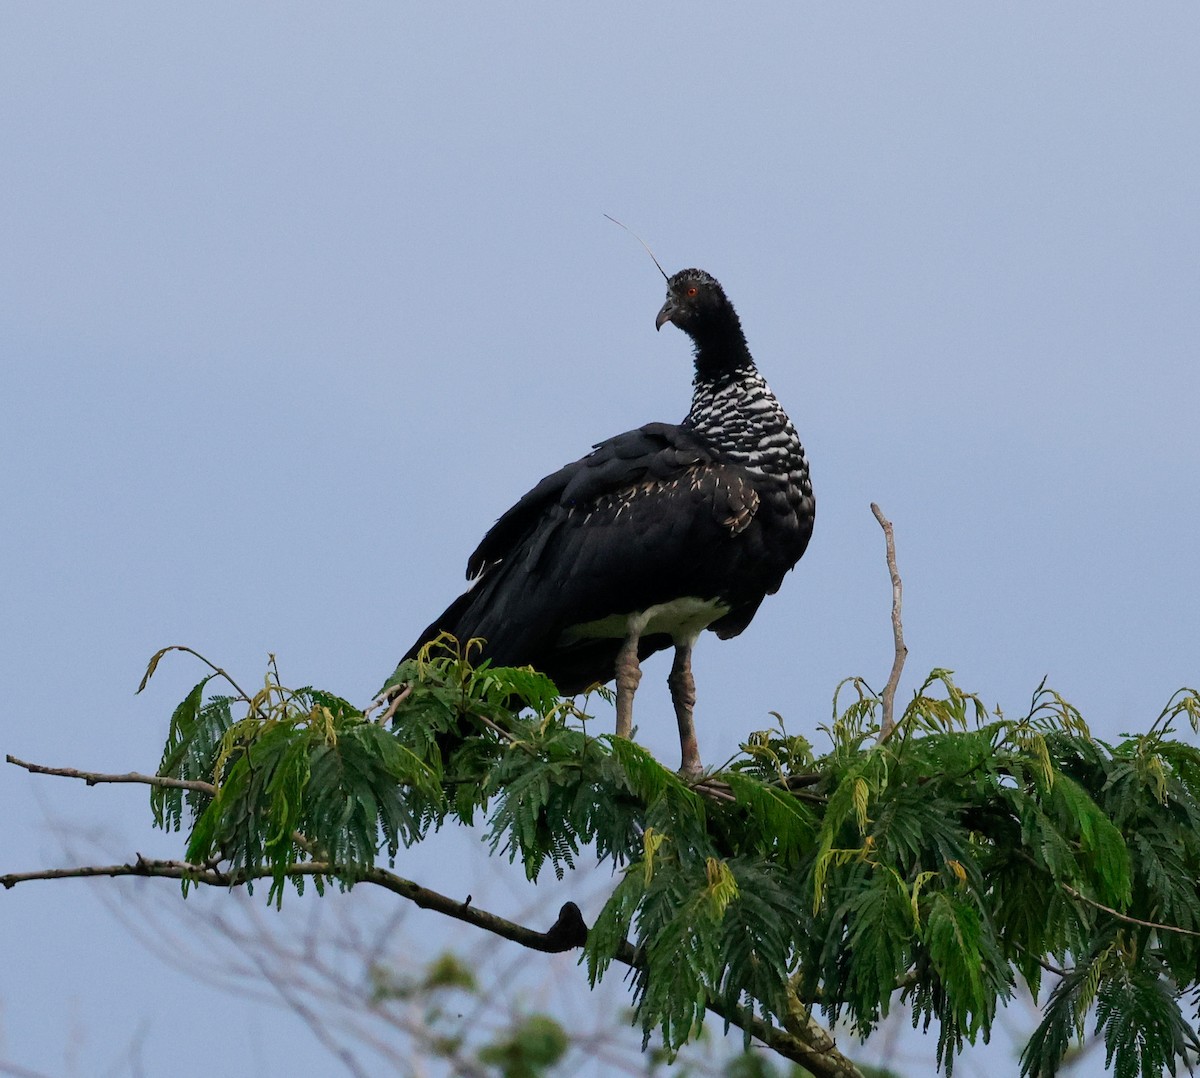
(92, 778)
(889, 691)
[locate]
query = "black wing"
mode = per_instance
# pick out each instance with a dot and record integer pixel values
(649, 516)
(655, 452)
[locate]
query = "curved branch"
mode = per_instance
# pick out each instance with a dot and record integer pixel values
(803, 1040)
(808, 1045)
(217, 671)
(563, 935)
(889, 690)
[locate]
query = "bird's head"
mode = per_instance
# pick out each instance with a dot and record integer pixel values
(696, 303)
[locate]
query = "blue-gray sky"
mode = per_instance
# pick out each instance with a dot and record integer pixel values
(298, 299)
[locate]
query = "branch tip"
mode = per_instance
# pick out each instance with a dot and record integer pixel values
(888, 723)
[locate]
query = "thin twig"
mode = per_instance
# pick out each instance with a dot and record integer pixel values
(282, 983)
(716, 790)
(92, 778)
(889, 690)
(496, 729)
(1124, 916)
(1049, 967)
(190, 651)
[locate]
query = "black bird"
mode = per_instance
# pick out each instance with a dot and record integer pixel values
(654, 536)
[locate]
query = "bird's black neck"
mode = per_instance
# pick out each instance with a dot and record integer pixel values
(721, 353)
(723, 360)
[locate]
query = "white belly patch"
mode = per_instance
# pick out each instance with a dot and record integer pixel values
(681, 619)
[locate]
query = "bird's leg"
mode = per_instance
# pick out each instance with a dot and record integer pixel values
(683, 696)
(629, 673)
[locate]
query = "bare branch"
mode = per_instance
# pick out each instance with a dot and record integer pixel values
(562, 936)
(889, 691)
(92, 778)
(315, 1021)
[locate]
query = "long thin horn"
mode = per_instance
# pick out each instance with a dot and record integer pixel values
(643, 243)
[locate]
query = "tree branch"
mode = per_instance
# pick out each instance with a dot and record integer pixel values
(802, 1040)
(1049, 967)
(889, 690)
(807, 1044)
(1124, 916)
(94, 777)
(562, 936)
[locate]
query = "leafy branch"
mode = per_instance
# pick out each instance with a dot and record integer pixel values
(938, 858)
(940, 866)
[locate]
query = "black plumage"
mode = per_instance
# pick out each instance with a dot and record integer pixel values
(654, 536)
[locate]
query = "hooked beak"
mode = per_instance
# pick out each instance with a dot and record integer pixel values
(667, 314)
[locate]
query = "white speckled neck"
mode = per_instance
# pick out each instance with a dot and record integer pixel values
(743, 418)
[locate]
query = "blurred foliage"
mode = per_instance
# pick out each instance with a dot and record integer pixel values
(941, 867)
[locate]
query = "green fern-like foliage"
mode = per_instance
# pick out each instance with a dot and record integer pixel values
(965, 854)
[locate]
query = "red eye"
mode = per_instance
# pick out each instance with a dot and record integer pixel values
(691, 291)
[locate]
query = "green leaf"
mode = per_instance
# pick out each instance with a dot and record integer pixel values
(966, 852)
